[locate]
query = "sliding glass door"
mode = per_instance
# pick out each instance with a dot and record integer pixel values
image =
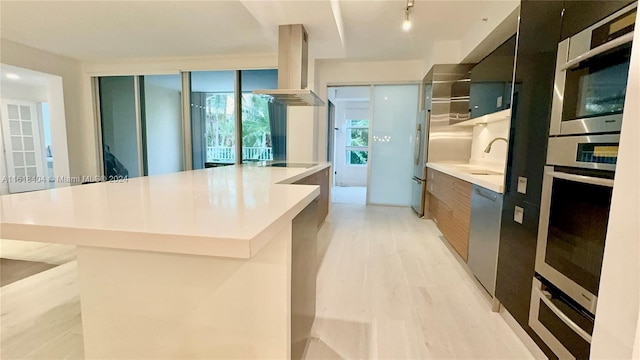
(213, 118)
(161, 115)
(143, 130)
(391, 159)
(264, 125)
(141, 125)
(121, 132)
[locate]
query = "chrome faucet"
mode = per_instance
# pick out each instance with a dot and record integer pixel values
(488, 148)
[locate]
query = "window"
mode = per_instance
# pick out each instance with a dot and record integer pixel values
(357, 132)
(258, 118)
(213, 123)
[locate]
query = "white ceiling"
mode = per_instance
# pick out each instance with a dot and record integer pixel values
(356, 29)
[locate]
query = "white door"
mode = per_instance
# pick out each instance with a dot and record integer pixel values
(22, 146)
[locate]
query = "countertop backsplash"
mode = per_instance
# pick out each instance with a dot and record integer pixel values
(482, 135)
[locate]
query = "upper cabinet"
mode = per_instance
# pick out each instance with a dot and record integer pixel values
(491, 81)
(580, 14)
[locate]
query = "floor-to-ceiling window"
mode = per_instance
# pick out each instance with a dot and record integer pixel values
(213, 118)
(143, 130)
(161, 115)
(263, 127)
(120, 127)
(141, 125)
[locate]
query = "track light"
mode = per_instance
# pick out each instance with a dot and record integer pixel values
(406, 24)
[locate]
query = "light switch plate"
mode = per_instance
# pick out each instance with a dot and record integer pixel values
(518, 215)
(522, 184)
(499, 102)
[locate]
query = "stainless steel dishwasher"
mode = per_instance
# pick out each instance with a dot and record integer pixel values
(484, 236)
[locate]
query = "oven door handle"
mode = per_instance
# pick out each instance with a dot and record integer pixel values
(581, 178)
(598, 50)
(565, 319)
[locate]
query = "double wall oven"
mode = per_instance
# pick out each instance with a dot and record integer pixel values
(590, 87)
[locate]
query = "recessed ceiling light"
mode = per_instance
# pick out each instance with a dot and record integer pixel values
(13, 76)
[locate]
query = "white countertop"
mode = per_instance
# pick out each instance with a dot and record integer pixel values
(465, 172)
(226, 211)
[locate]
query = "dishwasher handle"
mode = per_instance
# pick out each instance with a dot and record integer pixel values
(489, 196)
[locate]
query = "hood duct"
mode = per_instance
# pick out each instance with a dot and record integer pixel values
(292, 69)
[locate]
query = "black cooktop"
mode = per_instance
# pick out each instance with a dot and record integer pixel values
(293, 165)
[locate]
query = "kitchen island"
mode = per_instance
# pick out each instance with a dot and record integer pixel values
(197, 264)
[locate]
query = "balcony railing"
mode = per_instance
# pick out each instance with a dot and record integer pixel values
(228, 154)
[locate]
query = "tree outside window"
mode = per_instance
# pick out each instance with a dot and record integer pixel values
(357, 132)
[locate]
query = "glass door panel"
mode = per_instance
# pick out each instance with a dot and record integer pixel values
(120, 130)
(162, 123)
(213, 128)
(261, 119)
(391, 163)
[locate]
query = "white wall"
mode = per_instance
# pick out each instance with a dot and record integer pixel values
(616, 328)
(331, 72)
(302, 127)
(163, 114)
(39, 87)
(482, 136)
(25, 92)
(480, 39)
(348, 175)
(149, 66)
(4, 186)
(81, 139)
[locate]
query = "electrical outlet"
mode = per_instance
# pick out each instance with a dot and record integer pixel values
(499, 102)
(522, 184)
(518, 215)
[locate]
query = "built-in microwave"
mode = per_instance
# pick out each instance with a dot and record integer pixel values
(592, 69)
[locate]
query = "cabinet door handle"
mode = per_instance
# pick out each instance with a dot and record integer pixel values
(598, 50)
(491, 197)
(581, 178)
(565, 319)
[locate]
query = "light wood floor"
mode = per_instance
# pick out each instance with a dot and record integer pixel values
(388, 288)
(56, 254)
(349, 195)
(40, 316)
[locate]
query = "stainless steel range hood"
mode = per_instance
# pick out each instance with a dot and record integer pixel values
(292, 69)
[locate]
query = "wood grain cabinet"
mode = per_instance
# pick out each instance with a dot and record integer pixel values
(450, 208)
(320, 178)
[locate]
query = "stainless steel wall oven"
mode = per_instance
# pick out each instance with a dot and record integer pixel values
(586, 117)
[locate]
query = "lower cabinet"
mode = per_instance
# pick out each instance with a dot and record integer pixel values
(450, 208)
(320, 178)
